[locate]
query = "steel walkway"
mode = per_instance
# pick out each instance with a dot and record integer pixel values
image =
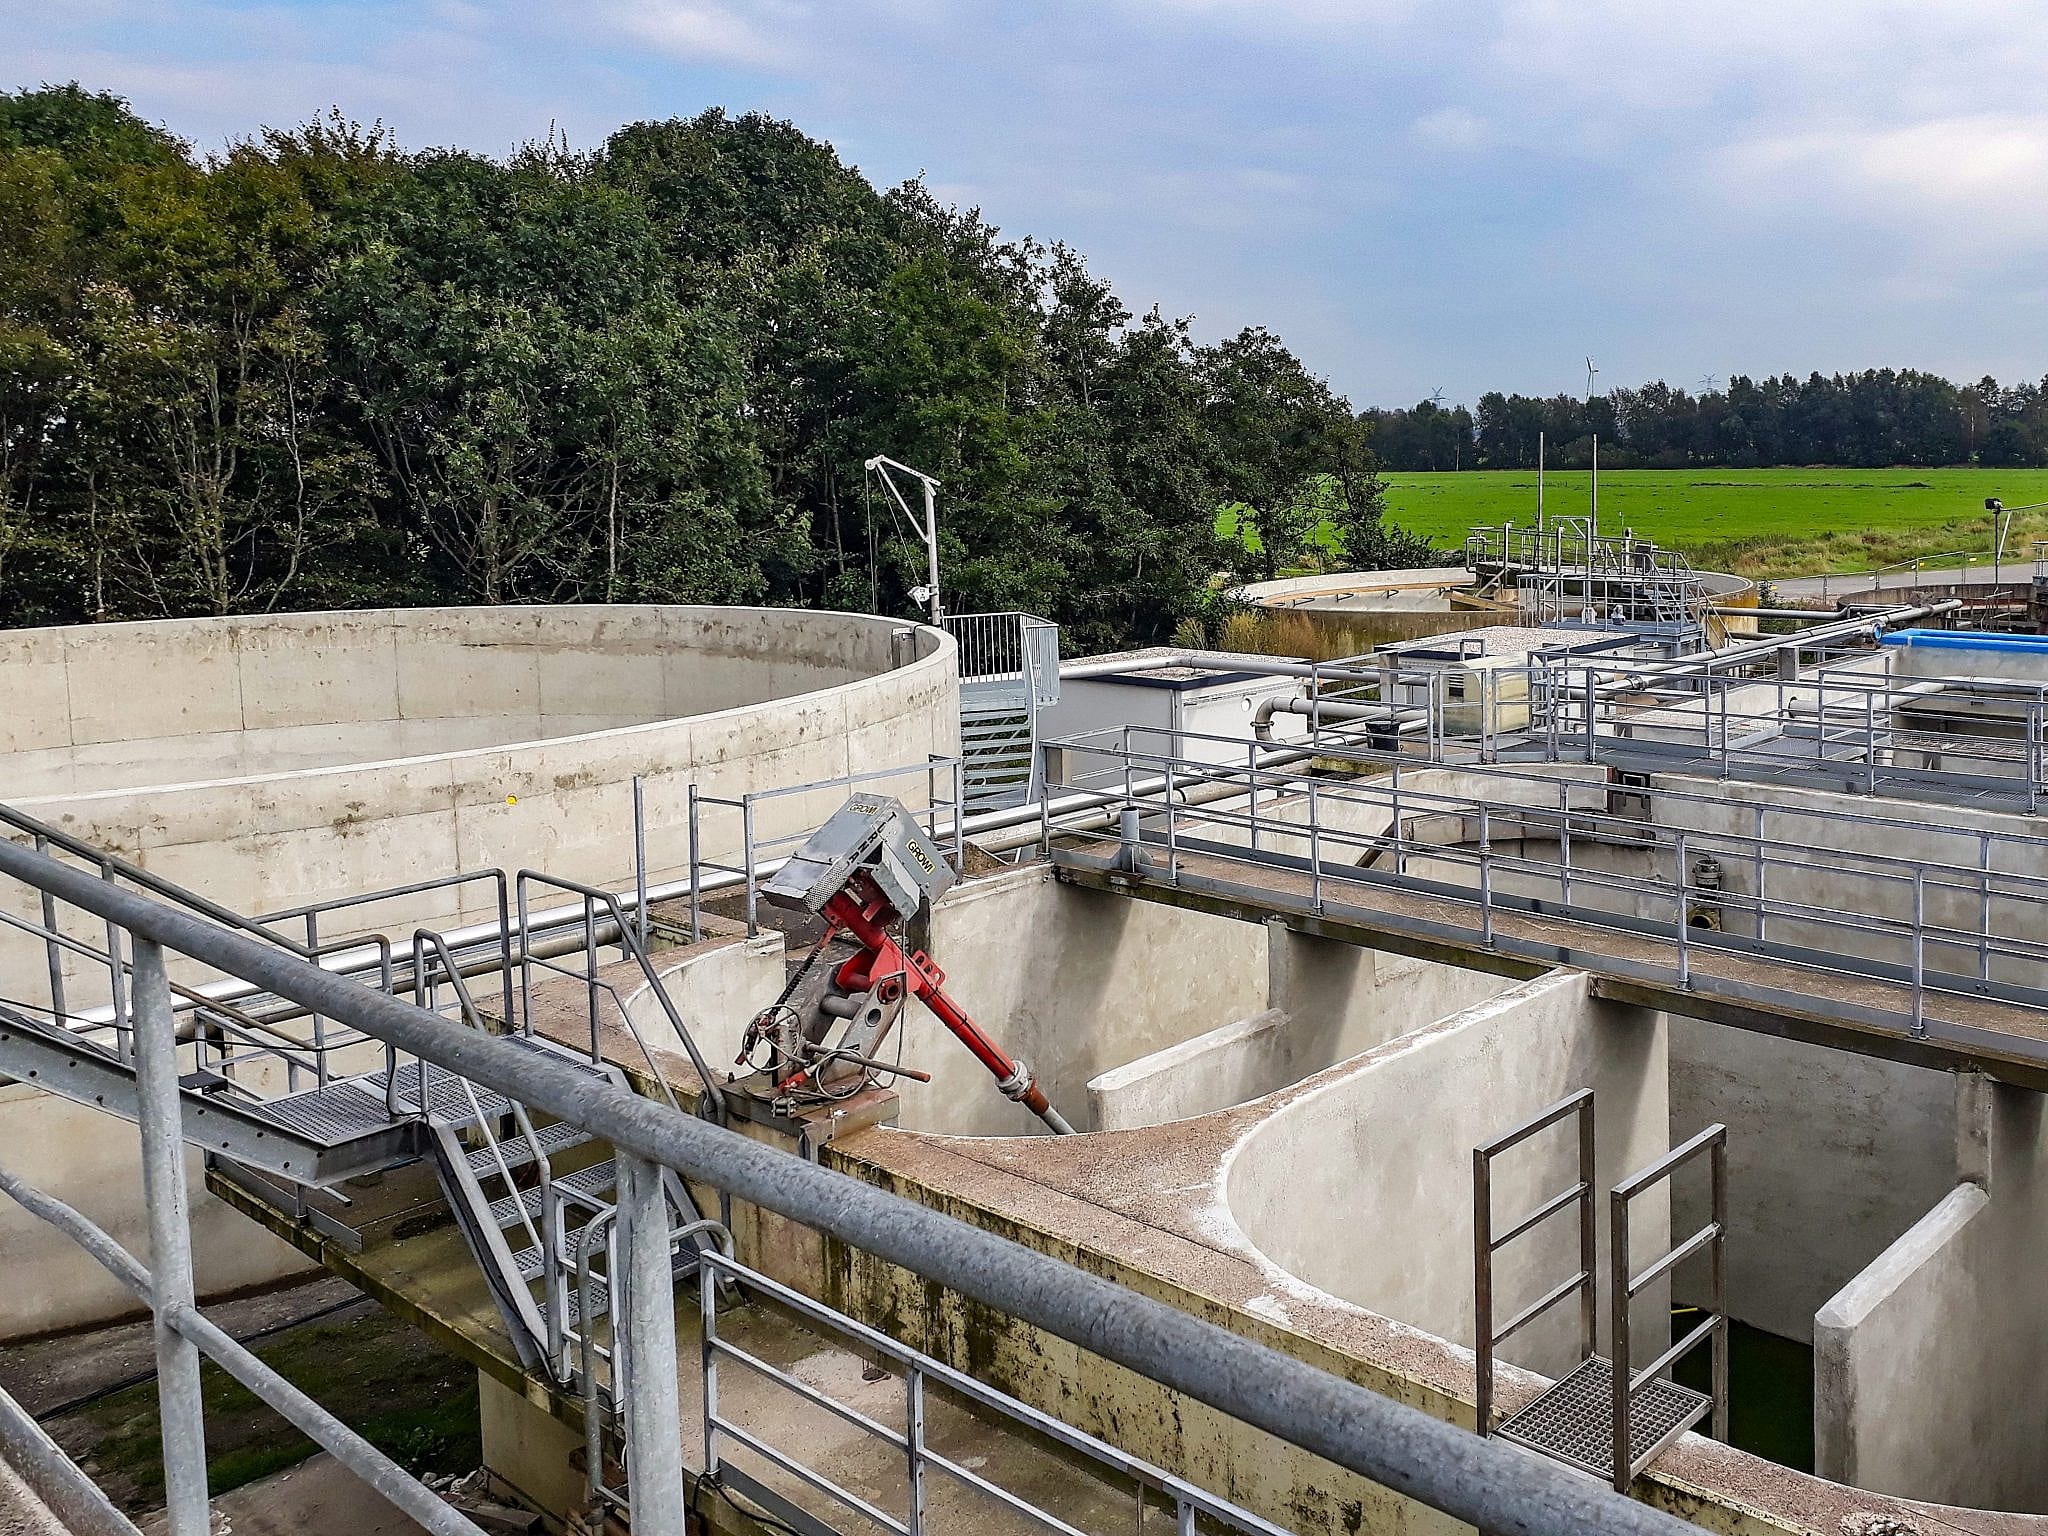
(1827, 998)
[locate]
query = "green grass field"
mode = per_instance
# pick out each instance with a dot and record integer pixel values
(1760, 522)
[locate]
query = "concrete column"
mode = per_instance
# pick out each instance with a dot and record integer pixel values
(181, 1412)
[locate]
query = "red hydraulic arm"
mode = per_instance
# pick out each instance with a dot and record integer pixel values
(881, 955)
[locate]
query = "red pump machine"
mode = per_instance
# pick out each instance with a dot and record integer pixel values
(866, 870)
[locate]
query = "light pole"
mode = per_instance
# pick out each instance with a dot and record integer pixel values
(2001, 525)
(880, 465)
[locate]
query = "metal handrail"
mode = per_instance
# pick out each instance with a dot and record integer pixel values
(1627, 1285)
(752, 849)
(1987, 890)
(1745, 849)
(1485, 1244)
(1386, 1442)
(1187, 1500)
(632, 949)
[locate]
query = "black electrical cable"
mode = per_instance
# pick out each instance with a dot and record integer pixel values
(717, 1486)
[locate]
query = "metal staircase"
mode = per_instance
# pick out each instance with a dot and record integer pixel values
(1009, 672)
(531, 1199)
(536, 1199)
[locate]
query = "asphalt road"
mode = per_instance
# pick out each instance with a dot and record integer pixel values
(2015, 570)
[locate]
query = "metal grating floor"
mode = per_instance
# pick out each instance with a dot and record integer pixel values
(1573, 1421)
(336, 1113)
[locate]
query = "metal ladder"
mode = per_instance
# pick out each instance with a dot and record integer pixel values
(1604, 1417)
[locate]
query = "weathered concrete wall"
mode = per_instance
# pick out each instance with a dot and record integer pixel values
(732, 699)
(716, 987)
(1931, 1367)
(1330, 1000)
(1074, 982)
(94, 1161)
(1831, 1156)
(1385, 1150)
(1953, 841)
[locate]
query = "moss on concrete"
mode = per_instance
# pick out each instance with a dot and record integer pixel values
(375, 1373)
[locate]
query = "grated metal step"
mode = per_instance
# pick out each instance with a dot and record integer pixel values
(448, 1096)
(601, 1303)
(337, 1112)
(1573, 1421)
(553, 1139)
(594, 1184)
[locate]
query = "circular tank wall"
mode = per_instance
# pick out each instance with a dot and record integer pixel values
(273, 761)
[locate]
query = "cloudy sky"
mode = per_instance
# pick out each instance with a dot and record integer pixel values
(1417, 194)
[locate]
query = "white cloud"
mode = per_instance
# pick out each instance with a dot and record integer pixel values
(716, 32)
(1962, 186)
(1449, 128)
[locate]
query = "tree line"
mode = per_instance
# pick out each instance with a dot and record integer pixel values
(1874, 419)
(317, 370)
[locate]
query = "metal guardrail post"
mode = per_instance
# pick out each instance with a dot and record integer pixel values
(960, 816)
(1919, 953)
(707, 1358)
(1763, 912)
(654, 1450)
(747, 863)
(1400, 836)
(1717, 1173)
(2033, 758)
(1564, 841)
(1172, 837)
(1983, 906)
(913, 1433)
(640, 854)
(117, 981)
(1485, 877)
(1315, 851)
(1683, 883)
(53, 954)
(1251, 779)
(696, 879)
(180, 1409)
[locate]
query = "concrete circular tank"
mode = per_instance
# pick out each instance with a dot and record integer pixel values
(270, 761)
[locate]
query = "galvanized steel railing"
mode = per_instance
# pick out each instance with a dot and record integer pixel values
(1474, 1480)
(1964, 927)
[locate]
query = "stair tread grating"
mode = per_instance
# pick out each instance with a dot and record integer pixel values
(590, 1183)
(336, 1112)
(559, 1137)
(601, 1298)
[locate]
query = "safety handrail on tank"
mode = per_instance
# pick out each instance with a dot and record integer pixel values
(255, 1039)
(1512, 820)
(754, 850)
(628, 939)
(1485, 1244)
(1629, 1283)
(1389, 794)
(919, 1371)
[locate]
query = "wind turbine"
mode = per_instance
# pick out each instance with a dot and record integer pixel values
(1590, 371)
(1436, 397)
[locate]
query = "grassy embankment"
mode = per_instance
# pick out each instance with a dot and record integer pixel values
(1758, 522)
